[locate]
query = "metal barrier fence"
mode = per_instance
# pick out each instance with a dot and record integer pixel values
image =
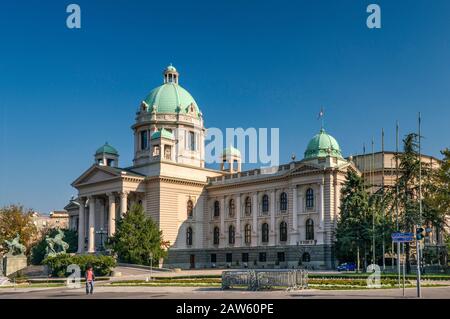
(265, 279)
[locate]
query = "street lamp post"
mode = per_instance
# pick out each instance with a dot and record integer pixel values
(101, 232)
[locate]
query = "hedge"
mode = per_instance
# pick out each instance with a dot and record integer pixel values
(102, 265)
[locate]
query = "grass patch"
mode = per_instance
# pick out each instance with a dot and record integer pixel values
(40, 285)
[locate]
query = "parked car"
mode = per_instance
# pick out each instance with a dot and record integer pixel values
(346, 267)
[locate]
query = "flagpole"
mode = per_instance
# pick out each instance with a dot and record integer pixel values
(382, 196)
(396, 198)
(373, 211)
(419, 292)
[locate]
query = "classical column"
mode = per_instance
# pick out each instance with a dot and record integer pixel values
(123, 203)
(81, 224)
(237, 207)
(294, 234)
(91, 233)
(255, 219)
(111, 214)
(272, 237)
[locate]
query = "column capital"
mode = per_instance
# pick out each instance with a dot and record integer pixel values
(124, 193)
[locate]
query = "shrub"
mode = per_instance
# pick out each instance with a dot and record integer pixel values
(101, 265)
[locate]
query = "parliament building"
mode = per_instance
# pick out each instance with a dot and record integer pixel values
(215, 218)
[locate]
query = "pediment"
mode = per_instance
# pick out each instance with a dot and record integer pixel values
(95, 174)
(304, 168)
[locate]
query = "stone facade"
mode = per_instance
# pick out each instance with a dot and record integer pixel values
(212, 218)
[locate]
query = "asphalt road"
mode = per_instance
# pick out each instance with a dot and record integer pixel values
(104, 292)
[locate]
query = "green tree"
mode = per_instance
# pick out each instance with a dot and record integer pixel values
(137, 237)
(353, 231)
(408, 194)
(14, 220)
(437, 194)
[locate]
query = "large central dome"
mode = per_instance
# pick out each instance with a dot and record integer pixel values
(171, 97)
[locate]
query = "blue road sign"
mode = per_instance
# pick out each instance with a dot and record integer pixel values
(402, 237)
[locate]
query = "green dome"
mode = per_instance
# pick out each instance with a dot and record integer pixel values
(171, 98)
(231, 151)
(107, 149)
(323, 145)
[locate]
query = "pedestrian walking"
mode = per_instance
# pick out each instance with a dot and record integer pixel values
(90, 278)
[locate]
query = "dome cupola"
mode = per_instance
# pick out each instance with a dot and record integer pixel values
(170, 97)
(323, 145)
(107, 156)
(171, 74)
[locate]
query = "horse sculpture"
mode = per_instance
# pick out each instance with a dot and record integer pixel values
(15, 247)
(56, 245)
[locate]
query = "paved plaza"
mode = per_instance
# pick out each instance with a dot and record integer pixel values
(102, 292)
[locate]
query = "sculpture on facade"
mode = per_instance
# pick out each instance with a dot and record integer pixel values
(56, 245)
(15, 248)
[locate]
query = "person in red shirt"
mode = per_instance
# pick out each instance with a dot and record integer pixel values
(90, 278)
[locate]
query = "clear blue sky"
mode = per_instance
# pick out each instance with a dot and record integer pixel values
(252, 63)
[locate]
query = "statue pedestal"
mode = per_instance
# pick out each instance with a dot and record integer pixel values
(14, 263)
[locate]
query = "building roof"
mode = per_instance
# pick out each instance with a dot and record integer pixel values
(170, 68)
(108, 149)
(323, 145)
(162, 133)
(231, 151)
(171, 98)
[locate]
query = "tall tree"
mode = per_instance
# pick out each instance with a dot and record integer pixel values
(137, 237)
(14, 220)
(353, 231)
(408, 185)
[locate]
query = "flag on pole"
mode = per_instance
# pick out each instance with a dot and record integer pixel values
(320, 114)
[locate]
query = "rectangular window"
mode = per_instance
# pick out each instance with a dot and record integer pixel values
(262, 257)
(280, 256)
(191, 141)
(245, 257)
(144, 140)
(213, 258)
(229, 257)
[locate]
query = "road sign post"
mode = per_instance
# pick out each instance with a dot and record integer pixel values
(402, 238)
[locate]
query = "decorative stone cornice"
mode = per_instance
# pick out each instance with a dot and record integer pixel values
(175, 180)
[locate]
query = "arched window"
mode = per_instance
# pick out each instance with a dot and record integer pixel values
(265, 233)
(265, 203)
(306, 257)
(248, 206)
(216, 208)
(247, 234)
(309, 198)
(231, 235)
(283, 231)
(189, 236)
(190, 209)
(216, 235)
(283, 201)
(231, 208)
(309, 229)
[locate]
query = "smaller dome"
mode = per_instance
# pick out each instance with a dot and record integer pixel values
(108, 149)
(170, 68)
(231, 151)
(162, 133)
(323, 145)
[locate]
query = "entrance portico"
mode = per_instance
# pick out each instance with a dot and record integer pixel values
(105, 194)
